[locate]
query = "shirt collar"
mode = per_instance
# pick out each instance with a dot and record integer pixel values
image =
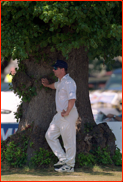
(64, 77)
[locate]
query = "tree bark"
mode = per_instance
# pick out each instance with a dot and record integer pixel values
(78, 69)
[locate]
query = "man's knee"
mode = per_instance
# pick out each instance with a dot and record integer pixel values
(48, 136)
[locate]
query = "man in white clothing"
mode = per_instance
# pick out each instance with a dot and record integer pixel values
(64, 122)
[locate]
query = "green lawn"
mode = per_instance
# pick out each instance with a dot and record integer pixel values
(95, 173)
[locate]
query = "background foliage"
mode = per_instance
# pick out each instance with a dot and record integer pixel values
(28, 26)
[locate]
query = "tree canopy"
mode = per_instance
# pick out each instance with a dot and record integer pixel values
(28, 26)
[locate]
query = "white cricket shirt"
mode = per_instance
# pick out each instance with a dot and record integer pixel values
(65, 90)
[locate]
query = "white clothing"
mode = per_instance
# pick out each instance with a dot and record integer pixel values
(65, 90)
(66, 127)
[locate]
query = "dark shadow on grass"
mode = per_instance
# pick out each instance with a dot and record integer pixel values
(92, 170)
(106, 171)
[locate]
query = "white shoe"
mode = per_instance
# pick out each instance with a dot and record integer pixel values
(59, 163)
(65, 168)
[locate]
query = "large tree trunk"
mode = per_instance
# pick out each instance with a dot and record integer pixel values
(41, 108)
(78, 69)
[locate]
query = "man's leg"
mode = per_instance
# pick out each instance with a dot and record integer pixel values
(52, 135)
(68, 133)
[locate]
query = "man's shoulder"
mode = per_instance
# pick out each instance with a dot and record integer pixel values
(69, 80)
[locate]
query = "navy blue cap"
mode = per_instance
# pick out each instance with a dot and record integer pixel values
(60, 64)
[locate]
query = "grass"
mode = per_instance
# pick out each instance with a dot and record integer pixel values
(94, 173)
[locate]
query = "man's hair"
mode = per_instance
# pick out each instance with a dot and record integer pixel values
(66, 70)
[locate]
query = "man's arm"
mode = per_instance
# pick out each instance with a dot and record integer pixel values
(70, 106)
(117, 118)
(45, 83)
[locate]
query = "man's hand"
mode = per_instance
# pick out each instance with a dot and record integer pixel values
(117, 118)
(45, 82)
(64, 113)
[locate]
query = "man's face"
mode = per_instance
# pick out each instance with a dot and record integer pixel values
(57, 71)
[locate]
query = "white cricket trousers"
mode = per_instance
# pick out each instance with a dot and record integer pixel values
(66, 127)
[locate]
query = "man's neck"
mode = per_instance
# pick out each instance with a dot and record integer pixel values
(61, 77)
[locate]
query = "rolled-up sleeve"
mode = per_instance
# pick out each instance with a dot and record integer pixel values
(71, 89)
(55, 85)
